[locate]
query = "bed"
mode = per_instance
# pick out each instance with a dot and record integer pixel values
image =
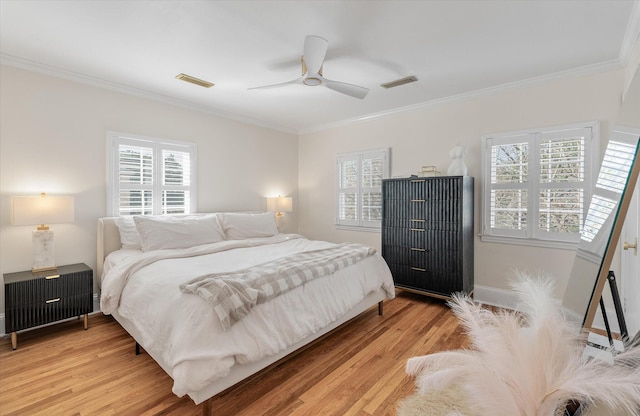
(156, 274)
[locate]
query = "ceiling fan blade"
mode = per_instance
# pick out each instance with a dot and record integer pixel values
(282, 84)
(315, 49)
(348, 89)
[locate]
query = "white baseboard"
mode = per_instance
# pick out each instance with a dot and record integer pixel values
(495, 297)
(509, 300)
(96, 309)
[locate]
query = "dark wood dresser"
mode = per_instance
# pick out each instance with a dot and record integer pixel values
(33, 299)
(427, 233)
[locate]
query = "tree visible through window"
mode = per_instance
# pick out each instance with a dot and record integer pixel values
(150, 176)
(536, 183)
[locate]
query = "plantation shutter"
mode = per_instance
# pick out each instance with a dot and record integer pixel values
(150, 176)
(508, 182)
(176, 182)
(536, 183)
(359, 188)
(561, 185)
(135, 180)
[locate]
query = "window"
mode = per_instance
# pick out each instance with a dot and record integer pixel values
(359, 188)
(536, 184)
(150, 176)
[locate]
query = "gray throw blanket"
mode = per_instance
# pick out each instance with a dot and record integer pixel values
(234, 294)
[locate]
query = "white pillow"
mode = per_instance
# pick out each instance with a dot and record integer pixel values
(157, 233)
(238, 226)
(129, 237)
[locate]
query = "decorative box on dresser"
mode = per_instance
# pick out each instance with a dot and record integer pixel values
(427, 233)
(37, 298)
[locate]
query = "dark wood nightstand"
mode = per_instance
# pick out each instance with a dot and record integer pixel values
(33, 299)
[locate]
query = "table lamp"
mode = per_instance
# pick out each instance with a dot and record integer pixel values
(42, 210)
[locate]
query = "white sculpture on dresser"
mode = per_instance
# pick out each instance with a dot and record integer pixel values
(457, 167)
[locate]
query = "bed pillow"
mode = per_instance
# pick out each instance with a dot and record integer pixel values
(129, 237)
(238, 226)
(158, 233)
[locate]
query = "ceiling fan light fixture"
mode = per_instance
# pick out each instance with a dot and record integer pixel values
(398, 82)
(195, 81)
(312, 81)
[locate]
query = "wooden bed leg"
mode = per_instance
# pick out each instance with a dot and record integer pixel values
(207, 407)
(380, 308)
(137, 348)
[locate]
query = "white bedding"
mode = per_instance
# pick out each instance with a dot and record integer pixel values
(181, 328)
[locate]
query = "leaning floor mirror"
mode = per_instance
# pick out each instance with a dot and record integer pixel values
(607, 211)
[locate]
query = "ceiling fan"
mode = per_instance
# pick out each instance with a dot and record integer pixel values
(315, 50)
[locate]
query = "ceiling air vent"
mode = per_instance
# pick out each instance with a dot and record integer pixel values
(194, 80)
(398, 82)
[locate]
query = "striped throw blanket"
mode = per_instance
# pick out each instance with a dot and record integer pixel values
(234, 294)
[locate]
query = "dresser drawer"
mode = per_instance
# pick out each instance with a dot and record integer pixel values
(52, 310)
(36, 291)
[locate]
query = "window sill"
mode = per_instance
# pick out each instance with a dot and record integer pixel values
(357, 228)
(532, 242)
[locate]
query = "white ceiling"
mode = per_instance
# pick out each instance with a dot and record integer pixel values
(454, 48)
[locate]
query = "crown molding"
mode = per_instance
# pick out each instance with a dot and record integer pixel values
(124, 89)
(100, 83)
(540, 80)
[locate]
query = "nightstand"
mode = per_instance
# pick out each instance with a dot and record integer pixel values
(33, 299)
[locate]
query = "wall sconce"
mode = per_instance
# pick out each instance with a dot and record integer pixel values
(42, 210)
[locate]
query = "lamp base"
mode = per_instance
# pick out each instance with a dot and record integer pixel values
(43, 250)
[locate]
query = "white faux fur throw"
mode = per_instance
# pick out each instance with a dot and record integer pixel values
(448, 402)
(528, 362)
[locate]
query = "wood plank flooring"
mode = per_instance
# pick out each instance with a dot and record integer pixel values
(356, 370)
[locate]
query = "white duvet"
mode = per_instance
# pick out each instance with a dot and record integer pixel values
(182, 329)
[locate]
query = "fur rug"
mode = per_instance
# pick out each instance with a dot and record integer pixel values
(448, 402)
(528, 362)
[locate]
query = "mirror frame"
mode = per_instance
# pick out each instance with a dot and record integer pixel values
(612, 244)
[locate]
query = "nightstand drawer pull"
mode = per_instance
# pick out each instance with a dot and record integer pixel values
(53, 276)
(414, 220)
(418, 269)
(417, 249)
(53, 300)
(417, 200)
(417, 180)
(417, 229)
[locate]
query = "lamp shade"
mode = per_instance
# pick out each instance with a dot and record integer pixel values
(280, 204)
(43, 209)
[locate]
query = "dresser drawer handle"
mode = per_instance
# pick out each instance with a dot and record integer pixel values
(417, 180)
(417, 229)
(418, 269)
(414, 220)
(53, 276)
(53, 300)
(417, 200)
(417, 249)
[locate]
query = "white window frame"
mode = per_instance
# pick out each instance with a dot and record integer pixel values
(533, 236)
(360, 224)
(115, 139)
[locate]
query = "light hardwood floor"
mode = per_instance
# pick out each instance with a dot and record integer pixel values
(356, 370)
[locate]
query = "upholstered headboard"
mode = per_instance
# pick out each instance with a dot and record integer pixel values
(108, 241)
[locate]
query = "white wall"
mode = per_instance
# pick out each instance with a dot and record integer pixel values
(53, 139)
(424, 137)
